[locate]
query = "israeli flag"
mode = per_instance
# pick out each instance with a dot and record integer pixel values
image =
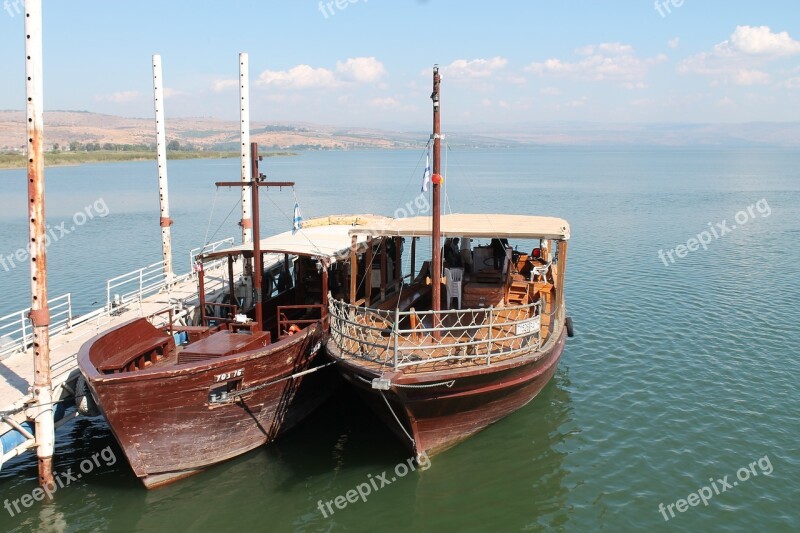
(426, 178)
(297, 223)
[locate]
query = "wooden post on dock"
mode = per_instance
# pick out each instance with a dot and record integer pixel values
(161, 155)
(40, 312)
(244, 139)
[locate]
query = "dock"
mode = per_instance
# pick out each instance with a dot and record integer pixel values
(145, 292)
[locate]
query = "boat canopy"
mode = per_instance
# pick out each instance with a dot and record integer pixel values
(478, 226)
(327, 238)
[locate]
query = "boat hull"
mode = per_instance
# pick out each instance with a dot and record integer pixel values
(169, 428)
(430, 415)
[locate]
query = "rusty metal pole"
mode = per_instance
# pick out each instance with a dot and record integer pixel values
(436, 260)
(161, 153)
(40, 312)
(244, 134)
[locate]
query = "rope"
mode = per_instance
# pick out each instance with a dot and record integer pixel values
(264, 385)
(447, 384)
(211, 216)
(398, 420)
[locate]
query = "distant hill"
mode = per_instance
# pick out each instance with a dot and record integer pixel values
(65, 127)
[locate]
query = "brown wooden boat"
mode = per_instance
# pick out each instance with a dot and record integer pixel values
(180, 398)
(438, 375)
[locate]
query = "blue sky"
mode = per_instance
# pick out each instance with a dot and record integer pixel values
(367, 62)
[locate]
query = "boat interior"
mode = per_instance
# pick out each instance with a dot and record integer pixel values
(497, 301)
(225, 323)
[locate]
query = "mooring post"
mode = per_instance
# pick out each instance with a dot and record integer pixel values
(244, 133)
(161, 154)
(40, 312)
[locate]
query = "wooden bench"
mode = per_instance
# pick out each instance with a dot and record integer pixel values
(134, 347)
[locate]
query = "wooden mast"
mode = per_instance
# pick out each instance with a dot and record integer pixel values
(255, 184)
(436, 260)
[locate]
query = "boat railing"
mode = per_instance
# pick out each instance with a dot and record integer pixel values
(194, 253)
(408, 338)
(285, 323)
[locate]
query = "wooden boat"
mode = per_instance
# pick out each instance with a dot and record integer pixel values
(180, 398)
(438, 375)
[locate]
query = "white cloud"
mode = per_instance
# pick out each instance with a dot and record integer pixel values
(361, 70)
(299, 77)
(550, 91)
(219, 86)
(674, 42)
(580, 102)
(353, 70)
(384, 103)
(637, 85)
(462, 69)
(172, 93)
(737, 60)
(761, 41)
(751, 77)
(725, 102)
(605, 61)
(792, 83)
(122, 97)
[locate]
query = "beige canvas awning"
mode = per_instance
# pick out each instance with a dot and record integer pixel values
(477, 226)
(327, 237)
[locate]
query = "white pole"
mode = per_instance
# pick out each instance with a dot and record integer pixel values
(161, 153)
(40, 312)
(244, 132)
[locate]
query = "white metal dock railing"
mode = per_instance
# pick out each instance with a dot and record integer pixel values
(16, 334)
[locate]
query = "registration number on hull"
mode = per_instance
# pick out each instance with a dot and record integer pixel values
(229, 375)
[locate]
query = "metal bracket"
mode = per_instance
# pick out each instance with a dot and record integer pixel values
(246, 223)
(39, 317)
(166, 222)
(381, 384)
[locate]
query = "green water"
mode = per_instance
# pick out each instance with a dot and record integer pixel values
(679, 374)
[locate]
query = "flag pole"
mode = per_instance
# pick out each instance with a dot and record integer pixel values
(436, 260)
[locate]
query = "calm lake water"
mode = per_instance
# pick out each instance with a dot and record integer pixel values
(681, 373)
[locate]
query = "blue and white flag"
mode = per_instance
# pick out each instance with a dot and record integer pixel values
(297, 223)
(426, 178)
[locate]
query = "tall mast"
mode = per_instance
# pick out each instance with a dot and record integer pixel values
(244, 135)
(255, 183)
(436, 260)
(40, 311)
(161, 155)
(258, 269)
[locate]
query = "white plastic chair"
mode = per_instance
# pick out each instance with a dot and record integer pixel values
(541, 271)
(454, 277)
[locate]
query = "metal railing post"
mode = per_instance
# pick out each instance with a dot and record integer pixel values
(491, 328)
(24, 340)
(396, 334)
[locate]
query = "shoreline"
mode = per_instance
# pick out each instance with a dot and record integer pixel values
(11, 161)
